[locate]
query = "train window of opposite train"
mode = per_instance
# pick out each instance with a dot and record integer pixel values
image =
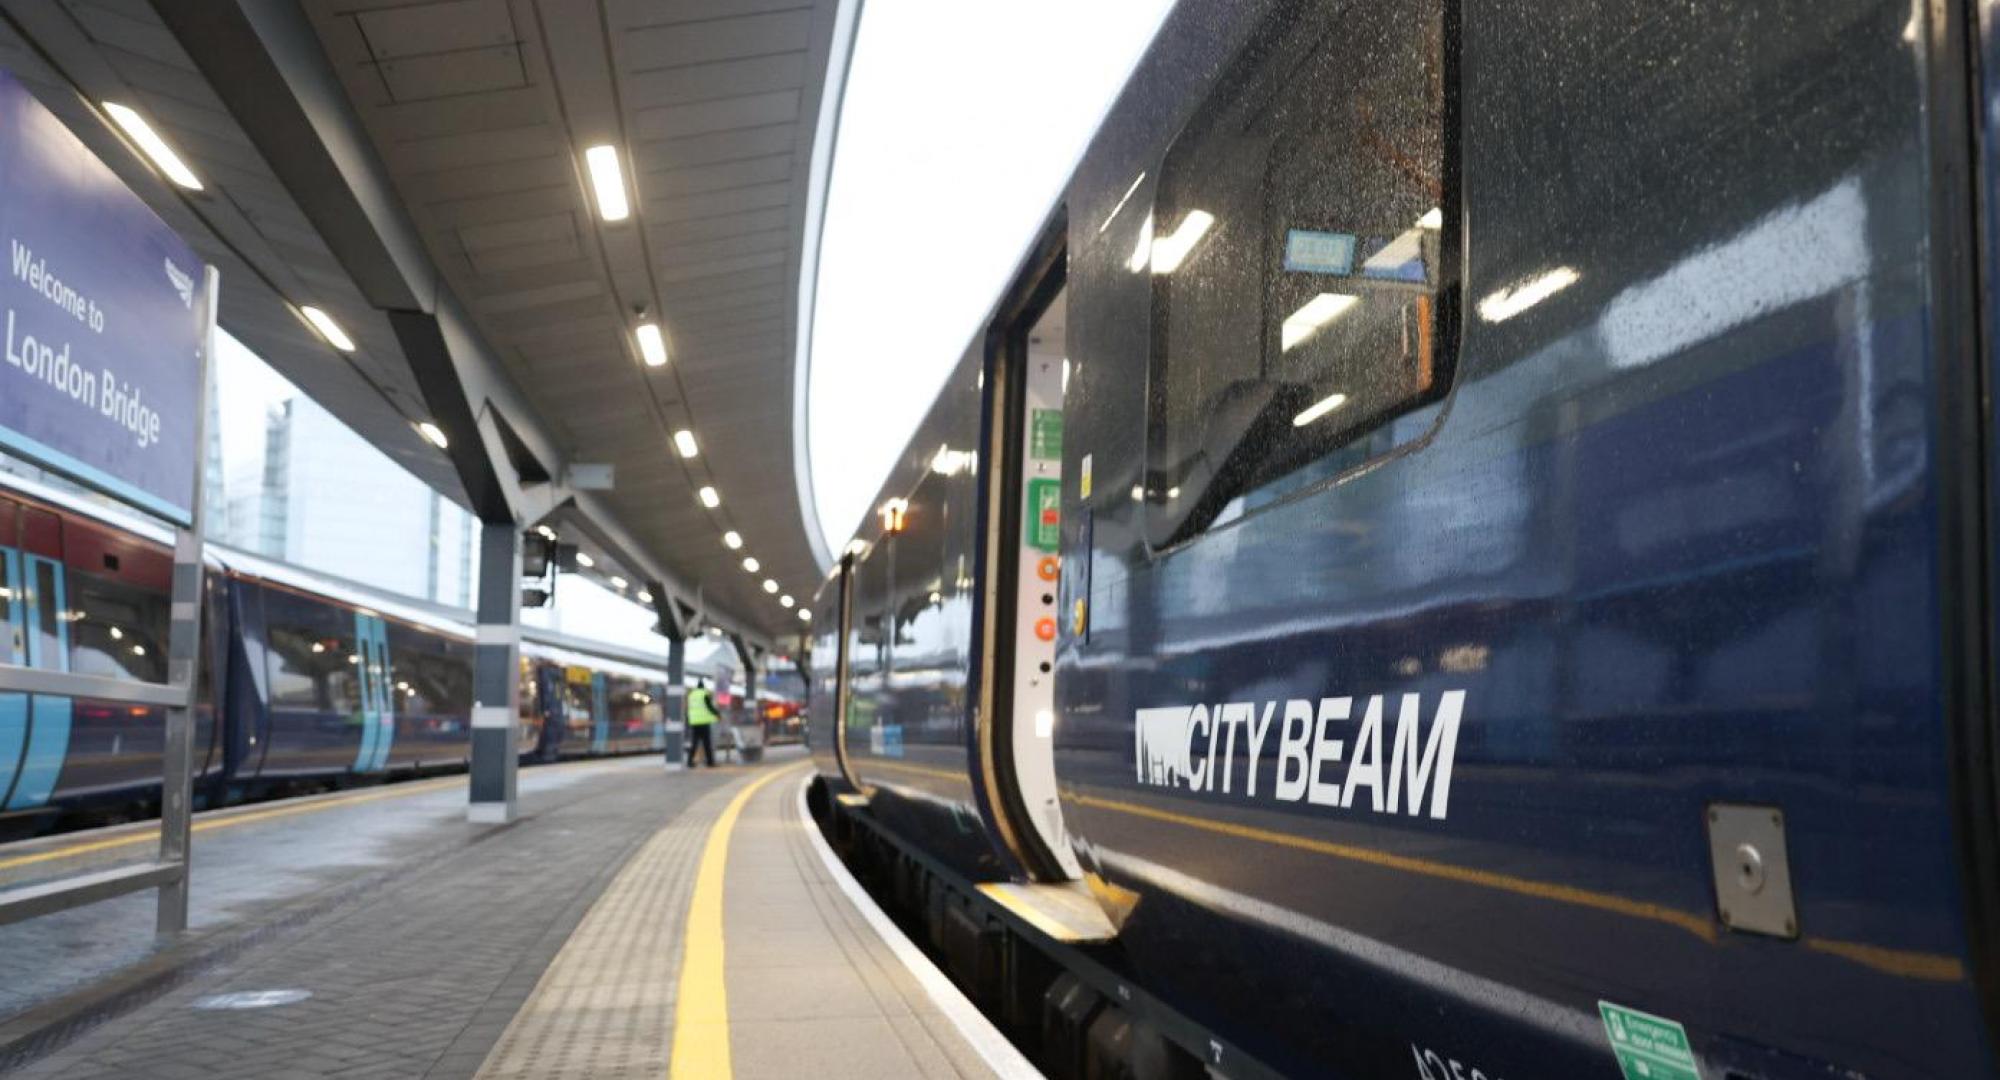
(117, 630)
(1301, 259)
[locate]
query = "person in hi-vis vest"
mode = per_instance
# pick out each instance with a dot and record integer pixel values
(702, 716)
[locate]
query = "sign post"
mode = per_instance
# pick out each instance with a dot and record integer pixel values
(108, 324)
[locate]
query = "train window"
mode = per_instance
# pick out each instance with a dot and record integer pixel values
(1302, 256)
(629, 702)
(116, 629)
(313, 655)
(429, 683)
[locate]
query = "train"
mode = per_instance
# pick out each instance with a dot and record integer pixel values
(305, 682)
(1465, 550)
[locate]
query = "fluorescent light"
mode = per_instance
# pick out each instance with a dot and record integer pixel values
(154, 146)
(1122, 200)
(1174, 492)
(1432, 219)
(751, 564)
(327, 328)
(1138, 493)
(1504, 304)
(1142, 252)
(684, 442)
(434, 433)
(583, 559)
(1318, 409)
(645, 597)
(1170, 251)
(618, 582)
(651, 345)
(936, 596)
(1302, 324)
(786, 600)
(117, 634)
(608, 182)
(709, 498)
(949, 462)
(770, 586)
(1397, 253)
(546, 532)
(805, 616)
(732, 540)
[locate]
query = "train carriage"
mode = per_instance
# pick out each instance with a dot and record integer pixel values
(1519, 559)
(305, 681)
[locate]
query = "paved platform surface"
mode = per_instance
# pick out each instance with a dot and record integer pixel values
(797, 982)
(380, 935)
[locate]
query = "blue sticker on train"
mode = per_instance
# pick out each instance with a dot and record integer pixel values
(1312, 252)
(103, 317)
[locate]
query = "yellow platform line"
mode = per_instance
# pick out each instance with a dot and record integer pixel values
(251, 817)
(701, 1002)
(152, 835)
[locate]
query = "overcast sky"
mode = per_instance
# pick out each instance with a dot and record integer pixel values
(959, 126)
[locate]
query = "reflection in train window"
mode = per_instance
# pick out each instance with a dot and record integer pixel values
(313, 655)
(117, 630)
(1301, 258)
(431, 685)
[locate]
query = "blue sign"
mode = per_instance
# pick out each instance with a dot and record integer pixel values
(1319, 252)
(103, 316)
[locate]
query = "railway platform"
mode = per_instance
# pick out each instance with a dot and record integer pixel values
(631, 922)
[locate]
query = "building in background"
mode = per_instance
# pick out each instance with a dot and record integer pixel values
(287, 480)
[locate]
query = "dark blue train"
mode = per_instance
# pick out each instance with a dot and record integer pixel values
(304, 682)
(1466, 552)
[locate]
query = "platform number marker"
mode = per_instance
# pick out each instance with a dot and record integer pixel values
(1648, 1047)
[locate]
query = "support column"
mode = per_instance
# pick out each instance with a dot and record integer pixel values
(676, 700)
(496, 675)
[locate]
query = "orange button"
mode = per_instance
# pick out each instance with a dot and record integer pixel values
(1048, 568)
(1045, 628)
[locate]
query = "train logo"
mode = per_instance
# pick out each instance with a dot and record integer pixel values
(1218, 749)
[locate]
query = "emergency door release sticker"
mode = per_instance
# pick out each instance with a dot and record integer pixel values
(1044, 526)
(1648, 1047)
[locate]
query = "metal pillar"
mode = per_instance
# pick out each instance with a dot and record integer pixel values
(496, 675)
(189, 600)
(676, 700)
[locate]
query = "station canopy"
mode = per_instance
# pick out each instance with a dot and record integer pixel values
(421, 175)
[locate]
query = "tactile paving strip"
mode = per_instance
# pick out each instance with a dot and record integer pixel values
(605, 1006)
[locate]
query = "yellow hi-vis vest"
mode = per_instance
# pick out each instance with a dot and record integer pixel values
(701, 707)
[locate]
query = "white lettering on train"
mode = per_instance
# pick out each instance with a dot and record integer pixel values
(1196, 747)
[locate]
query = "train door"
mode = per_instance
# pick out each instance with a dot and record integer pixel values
(554, 709)
(600, 714)
(44, 621)
(13, 648)
(378, 715)
(843, 626)
(1025, 428)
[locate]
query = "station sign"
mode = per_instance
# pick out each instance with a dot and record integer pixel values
(104, 317)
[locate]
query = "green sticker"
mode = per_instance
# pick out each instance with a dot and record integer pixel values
(1648, 1047)
(1044, 514)
(1045, 435)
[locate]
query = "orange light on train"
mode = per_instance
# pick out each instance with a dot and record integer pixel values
(1045, 628)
